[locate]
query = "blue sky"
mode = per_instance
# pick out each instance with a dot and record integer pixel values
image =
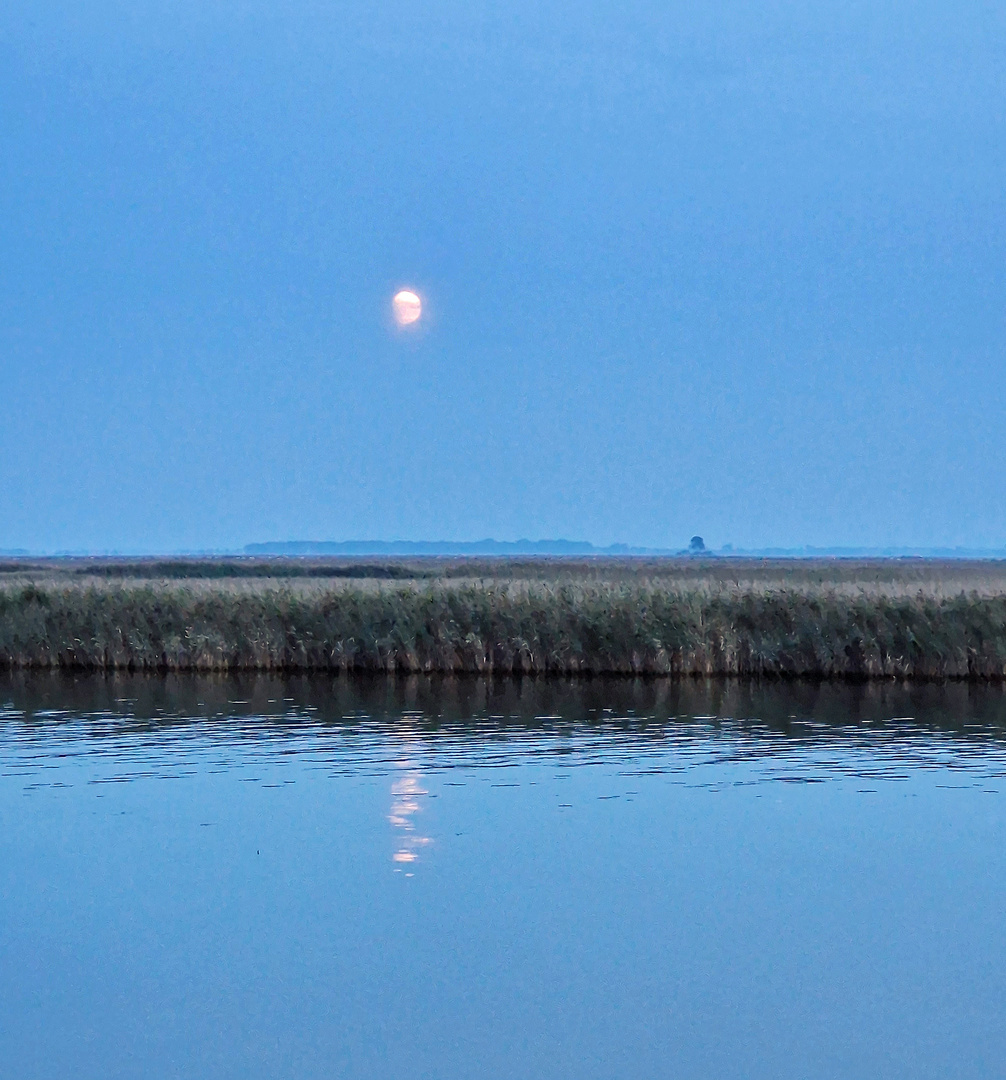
(725, 268)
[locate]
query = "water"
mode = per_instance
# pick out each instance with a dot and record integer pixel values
(267, 878)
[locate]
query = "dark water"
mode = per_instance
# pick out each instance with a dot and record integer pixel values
(264, 878)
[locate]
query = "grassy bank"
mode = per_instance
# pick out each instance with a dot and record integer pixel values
(724, 621)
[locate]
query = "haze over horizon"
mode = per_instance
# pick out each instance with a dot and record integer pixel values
(722, 268)
(488, 547)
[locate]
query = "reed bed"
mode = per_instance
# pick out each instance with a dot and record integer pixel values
(905, 577)
(657, 624)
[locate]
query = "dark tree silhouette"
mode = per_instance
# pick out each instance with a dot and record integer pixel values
(696, 545)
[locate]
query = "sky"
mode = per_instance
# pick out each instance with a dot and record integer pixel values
(726, 268)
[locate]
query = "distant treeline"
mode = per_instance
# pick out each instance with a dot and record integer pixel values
(533, 629)
(507, 548)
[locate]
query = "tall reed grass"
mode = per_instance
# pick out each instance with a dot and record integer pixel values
(527, 627)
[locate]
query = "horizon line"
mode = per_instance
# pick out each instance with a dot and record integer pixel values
(489, 547)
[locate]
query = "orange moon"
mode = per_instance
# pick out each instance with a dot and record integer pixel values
(407, 307)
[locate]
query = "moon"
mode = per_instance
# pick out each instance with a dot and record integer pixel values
(407, 307)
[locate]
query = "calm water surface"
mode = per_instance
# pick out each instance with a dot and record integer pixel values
(267, 878)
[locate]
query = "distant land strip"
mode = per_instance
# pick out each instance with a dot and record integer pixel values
(444, 547)
(560, 548)
(534, 628)
(490, 548)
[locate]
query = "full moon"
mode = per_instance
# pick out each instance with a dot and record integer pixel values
(407, 307)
